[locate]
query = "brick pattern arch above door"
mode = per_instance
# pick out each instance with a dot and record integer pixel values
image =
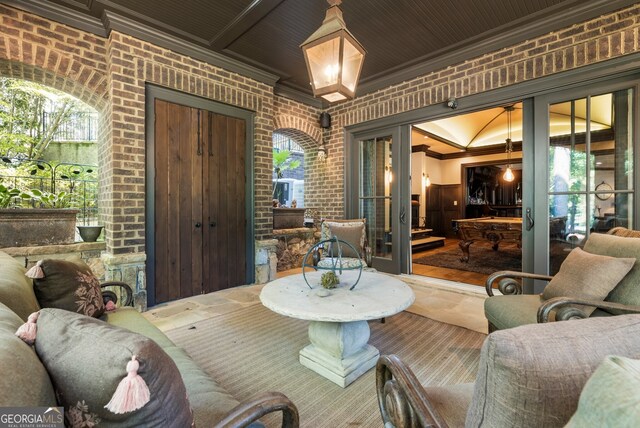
(306, 134)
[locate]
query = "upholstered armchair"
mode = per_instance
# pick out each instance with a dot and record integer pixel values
(513, 308)
(352, 231)
(529, 376)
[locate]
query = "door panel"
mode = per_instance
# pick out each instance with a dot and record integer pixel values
(376, 183)
(176, 128)
(199, 201)
(589, 156)
(225, 207)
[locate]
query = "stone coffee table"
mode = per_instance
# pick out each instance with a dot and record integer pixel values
(338, 330)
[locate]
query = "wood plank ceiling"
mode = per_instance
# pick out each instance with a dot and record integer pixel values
(401, 37)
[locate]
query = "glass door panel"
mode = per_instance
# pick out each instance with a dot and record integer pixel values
(376, 193)
(590, 164)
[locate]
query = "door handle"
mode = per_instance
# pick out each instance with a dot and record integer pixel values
(403, 215)
(212, 224)
(530, 221)
(198, 225)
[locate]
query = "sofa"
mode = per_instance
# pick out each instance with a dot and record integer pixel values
(24, 380)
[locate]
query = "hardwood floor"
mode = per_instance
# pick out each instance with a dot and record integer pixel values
(473, 278)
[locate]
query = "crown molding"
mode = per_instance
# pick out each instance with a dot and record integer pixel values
(558, 17)
(113, 21)
(299, 96)
(60, 14)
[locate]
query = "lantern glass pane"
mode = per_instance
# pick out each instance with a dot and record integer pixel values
(324, 63)
(352, 64)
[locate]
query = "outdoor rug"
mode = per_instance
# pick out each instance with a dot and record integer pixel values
(254, 350)
(482, 259)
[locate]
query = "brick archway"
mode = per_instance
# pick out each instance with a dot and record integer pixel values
(308, 135)
(72, 79)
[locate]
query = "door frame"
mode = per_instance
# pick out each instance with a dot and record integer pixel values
(541, 143)
(153, 92)
(400, 190)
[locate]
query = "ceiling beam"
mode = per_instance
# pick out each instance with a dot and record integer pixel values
(250, 16)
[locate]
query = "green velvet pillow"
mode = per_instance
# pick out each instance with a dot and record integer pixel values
(611, 396)
(16, 290)
(626, 292)
(24, 381)
(87, 358)
(587, 276)
(70, 285)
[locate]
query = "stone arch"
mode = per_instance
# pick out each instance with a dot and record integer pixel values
(304, 133)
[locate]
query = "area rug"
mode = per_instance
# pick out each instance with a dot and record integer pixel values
(254, 350)
(482, 259)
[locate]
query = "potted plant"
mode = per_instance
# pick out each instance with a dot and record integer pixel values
(89, 232)
(51, 220)
(284, 217)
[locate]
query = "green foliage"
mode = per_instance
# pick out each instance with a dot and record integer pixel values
(282, 161)
(329, 280)
(48, 199)
(23, 132)
(7, 196)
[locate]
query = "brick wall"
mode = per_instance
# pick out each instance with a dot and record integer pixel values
(109, 74)
(590, 42)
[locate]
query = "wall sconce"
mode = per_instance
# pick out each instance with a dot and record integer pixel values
(325, 123)
(334, 57)
(388, 174)
(322, 153)
(426, 181)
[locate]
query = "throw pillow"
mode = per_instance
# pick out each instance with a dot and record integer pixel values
(353, 234)
(68, 284)
(16, 290)
(24, 381)
(611, 396)
(587, 276)
(626, 292)
(87, 360)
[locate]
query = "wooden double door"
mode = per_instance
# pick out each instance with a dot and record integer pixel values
(199, 201)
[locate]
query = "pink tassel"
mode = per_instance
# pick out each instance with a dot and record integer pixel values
(36, 271)
(132, 392)
(27, 331)
(110, 306)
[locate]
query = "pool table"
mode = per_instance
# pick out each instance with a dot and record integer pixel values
(492, 229)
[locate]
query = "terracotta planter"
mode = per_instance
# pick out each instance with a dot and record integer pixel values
(288, 218)
(23, 227)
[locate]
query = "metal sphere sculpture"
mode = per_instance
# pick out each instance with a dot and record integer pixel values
(334, 249)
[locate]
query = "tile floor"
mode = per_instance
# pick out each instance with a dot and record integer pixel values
(445, 301)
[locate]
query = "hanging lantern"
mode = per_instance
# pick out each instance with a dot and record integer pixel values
(334, 57)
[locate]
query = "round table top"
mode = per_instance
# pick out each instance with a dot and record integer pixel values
(375, 296)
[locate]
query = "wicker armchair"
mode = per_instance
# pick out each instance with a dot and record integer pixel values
(514, 308)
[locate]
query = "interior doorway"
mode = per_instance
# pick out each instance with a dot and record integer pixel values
(466, 158)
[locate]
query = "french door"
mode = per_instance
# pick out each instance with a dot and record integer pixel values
(378, 170)
(585, 142)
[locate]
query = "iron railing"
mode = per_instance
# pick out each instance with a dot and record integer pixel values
(81, 126)
(282, 142)
(81, 181)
